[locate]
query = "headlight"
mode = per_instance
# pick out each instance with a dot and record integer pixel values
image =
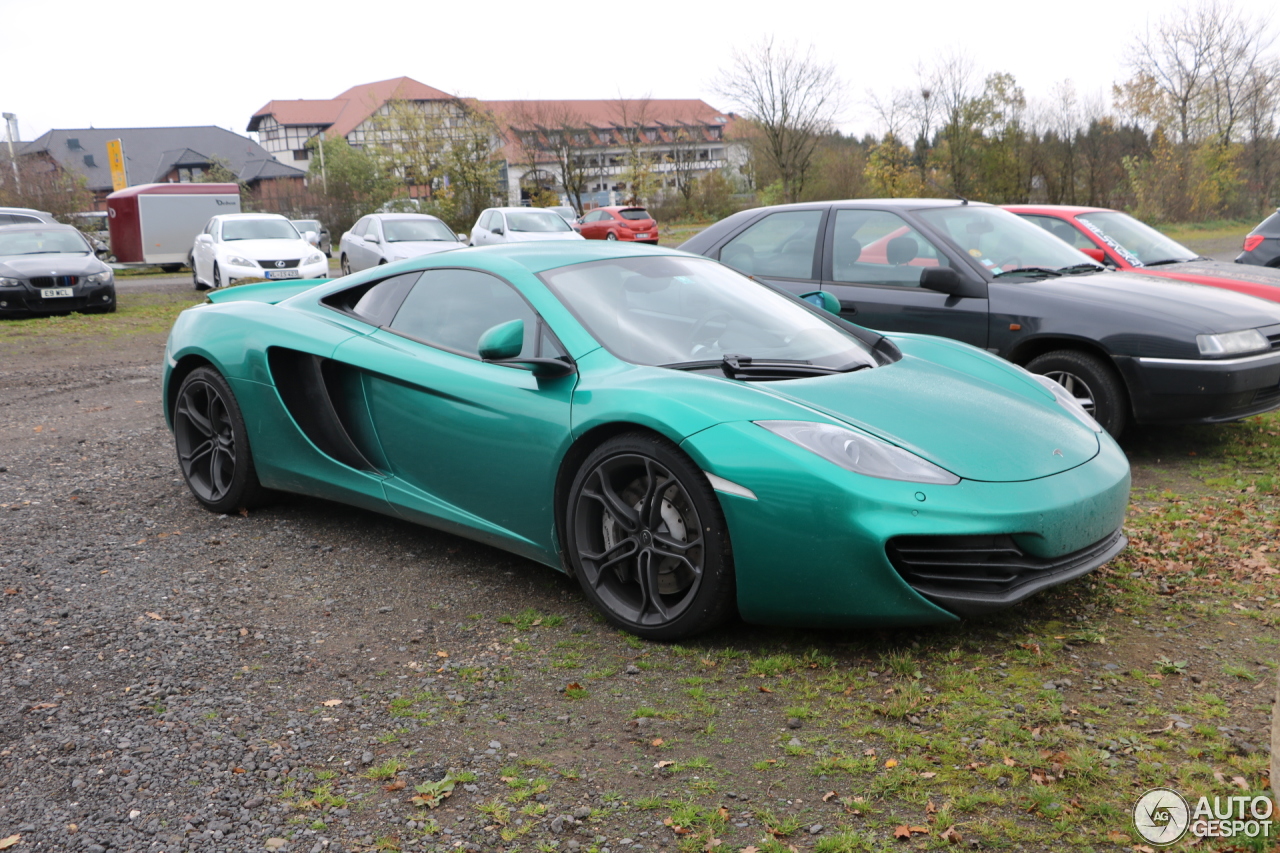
(11, 282)
(1232, 343)
(99, 278)
(859, 452)
(236, 260)
(314, 259)
(1066, 401)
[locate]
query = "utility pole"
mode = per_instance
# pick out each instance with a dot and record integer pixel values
(324, 177)
(11, 125)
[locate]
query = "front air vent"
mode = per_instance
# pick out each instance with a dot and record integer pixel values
(311, 389)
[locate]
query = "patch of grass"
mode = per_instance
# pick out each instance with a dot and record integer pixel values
(135, 314)
(530, 618)
(386, 770)
(1235, 670)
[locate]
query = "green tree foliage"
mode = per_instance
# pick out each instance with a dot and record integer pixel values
(348, 182)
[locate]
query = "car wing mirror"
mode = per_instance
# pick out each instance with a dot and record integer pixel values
(203, 238)
(312, 237)
(101, 252)
(462, 238)
(1097, 254)
(823, 300)
(373, 238)
(502, 343)
(498, 231)
(947, 280)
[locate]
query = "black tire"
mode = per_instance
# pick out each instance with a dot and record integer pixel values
(629, 535)
(1092, 381)
(195, 277)
(171, 268)
(611, 236)
(217, 277)
(345, 265)
(213, 444)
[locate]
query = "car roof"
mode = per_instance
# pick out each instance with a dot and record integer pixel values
(250, 216)
(1066, 209)
(39, 226)
(524, 209)
(28, 210)
(406, 216)
(617, 207)
(539, 256)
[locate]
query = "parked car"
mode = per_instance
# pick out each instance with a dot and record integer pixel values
(619, 223)
(322, 241)
(1262, 246)
(1127, 347)
(237, 246)
(1121, 242)
(682, 440)
(381, 238)
(24, 216)
(520, 225)
(50, 269)
(567, 213)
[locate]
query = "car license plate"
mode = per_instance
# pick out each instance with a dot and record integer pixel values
(56, 292)
(642, 236)
(282, 273)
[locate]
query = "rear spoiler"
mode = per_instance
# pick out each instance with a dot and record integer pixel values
(270, 292)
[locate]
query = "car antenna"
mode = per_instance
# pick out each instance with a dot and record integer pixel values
(963, 201)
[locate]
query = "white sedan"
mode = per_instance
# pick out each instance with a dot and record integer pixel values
(499, 225)
(381, 238)
(237, 246)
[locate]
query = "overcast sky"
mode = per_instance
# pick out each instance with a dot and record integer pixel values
(138, 64)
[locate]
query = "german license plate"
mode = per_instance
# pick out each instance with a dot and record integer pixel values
(282, 273)
(56, 292)
(642, 236)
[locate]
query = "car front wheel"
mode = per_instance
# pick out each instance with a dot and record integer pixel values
(611, 236)
(647, 539)
(1091, 381)
(213, 444)
(345, 265)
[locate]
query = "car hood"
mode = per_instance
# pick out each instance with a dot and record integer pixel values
(538, 236)
(1195, 271)
(417, 248)
(1193, 307)
(271, 250)
(970, 415)
(27, 266)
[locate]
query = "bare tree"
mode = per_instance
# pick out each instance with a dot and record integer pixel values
(555, 135)
(791, 97)
(640, 135)
(1173, 61)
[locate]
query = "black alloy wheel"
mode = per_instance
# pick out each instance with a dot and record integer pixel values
(1091, 381)
(648, 541)
(213, 444)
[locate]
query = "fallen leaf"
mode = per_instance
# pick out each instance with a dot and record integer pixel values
(826, 798)
(902, 831)
(751, 848)
(920, 830)
(723, 812)
(930, 808)
(6, 843)
(394, 786)
(661, 764)
(1239, 781)
(892, 762)
(764, 689)
(572, 685)
(1117, 837)
(1009, 762)
(237, 769)
(869, 753)
(154, 615)
(928, 774)
(951, 835)
(656, 742)
(442, 654)
(712, 843)
(331, 703)
(1142, 848)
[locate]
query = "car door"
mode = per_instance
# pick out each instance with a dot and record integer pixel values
(203, 252)
(498, 230)
(374, 245)
(353, 245)
(873, 263)
(595, 225)
(467, 442)
(780, 249)
(480, 232)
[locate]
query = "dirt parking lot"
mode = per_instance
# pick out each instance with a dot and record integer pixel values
(310, 677)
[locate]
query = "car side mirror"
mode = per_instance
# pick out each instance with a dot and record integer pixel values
(101, 252)
(503, 341)
(1097, 254)
(312, 237)
(462, 238)
(204, 238)
(498, 231)
(947, 280)
(372, 238)
(823, 300)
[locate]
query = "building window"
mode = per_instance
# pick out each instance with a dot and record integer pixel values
(301, 154)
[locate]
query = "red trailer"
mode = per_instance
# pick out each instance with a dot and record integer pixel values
(158, 223)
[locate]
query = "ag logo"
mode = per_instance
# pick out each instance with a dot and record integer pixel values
(1161, 816)
(279, 265)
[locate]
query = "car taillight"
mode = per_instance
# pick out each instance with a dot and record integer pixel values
(1252, 241)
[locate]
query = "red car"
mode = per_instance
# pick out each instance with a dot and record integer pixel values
(1122, 242)
(619, 223)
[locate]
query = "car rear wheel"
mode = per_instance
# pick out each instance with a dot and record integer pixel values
(611, 236)
(345, 265)
(647, 540)
(213, 444)
(1092, 381)
(195, 276)
(217, 277)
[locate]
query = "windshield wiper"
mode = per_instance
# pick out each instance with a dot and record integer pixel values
(1076, 269)
(743, 366)
(1171, 261)
(1039, 270)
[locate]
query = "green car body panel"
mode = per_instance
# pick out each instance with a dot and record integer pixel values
(477, 449)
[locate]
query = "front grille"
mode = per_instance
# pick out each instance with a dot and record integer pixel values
(972, 574)
(55, 281)
(1266, 395)
(279, 265)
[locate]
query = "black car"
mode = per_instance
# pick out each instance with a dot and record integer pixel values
(1262, 246)
(1128, 347)
(51, 269)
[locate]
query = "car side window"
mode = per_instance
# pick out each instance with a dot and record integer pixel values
(380, 303)
(879, 247)
(359, 228)
(373, 229)
(486, 220)
(1064, 231)
(781, 244)
(452, 308)
(497, 221)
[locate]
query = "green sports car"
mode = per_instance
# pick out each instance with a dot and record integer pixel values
(684, 441)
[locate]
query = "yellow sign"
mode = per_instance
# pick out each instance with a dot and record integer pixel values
(115, 156)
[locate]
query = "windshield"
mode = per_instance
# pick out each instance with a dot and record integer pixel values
(258, 229)
(539, 221)
(409, 230)
(1004, 243)
(1139, 244)
(306, 225)
(51, 242)
(670, 311)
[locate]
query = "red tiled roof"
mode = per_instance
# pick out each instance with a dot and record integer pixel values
(344, 113)
(323, 113)
(607, 113)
